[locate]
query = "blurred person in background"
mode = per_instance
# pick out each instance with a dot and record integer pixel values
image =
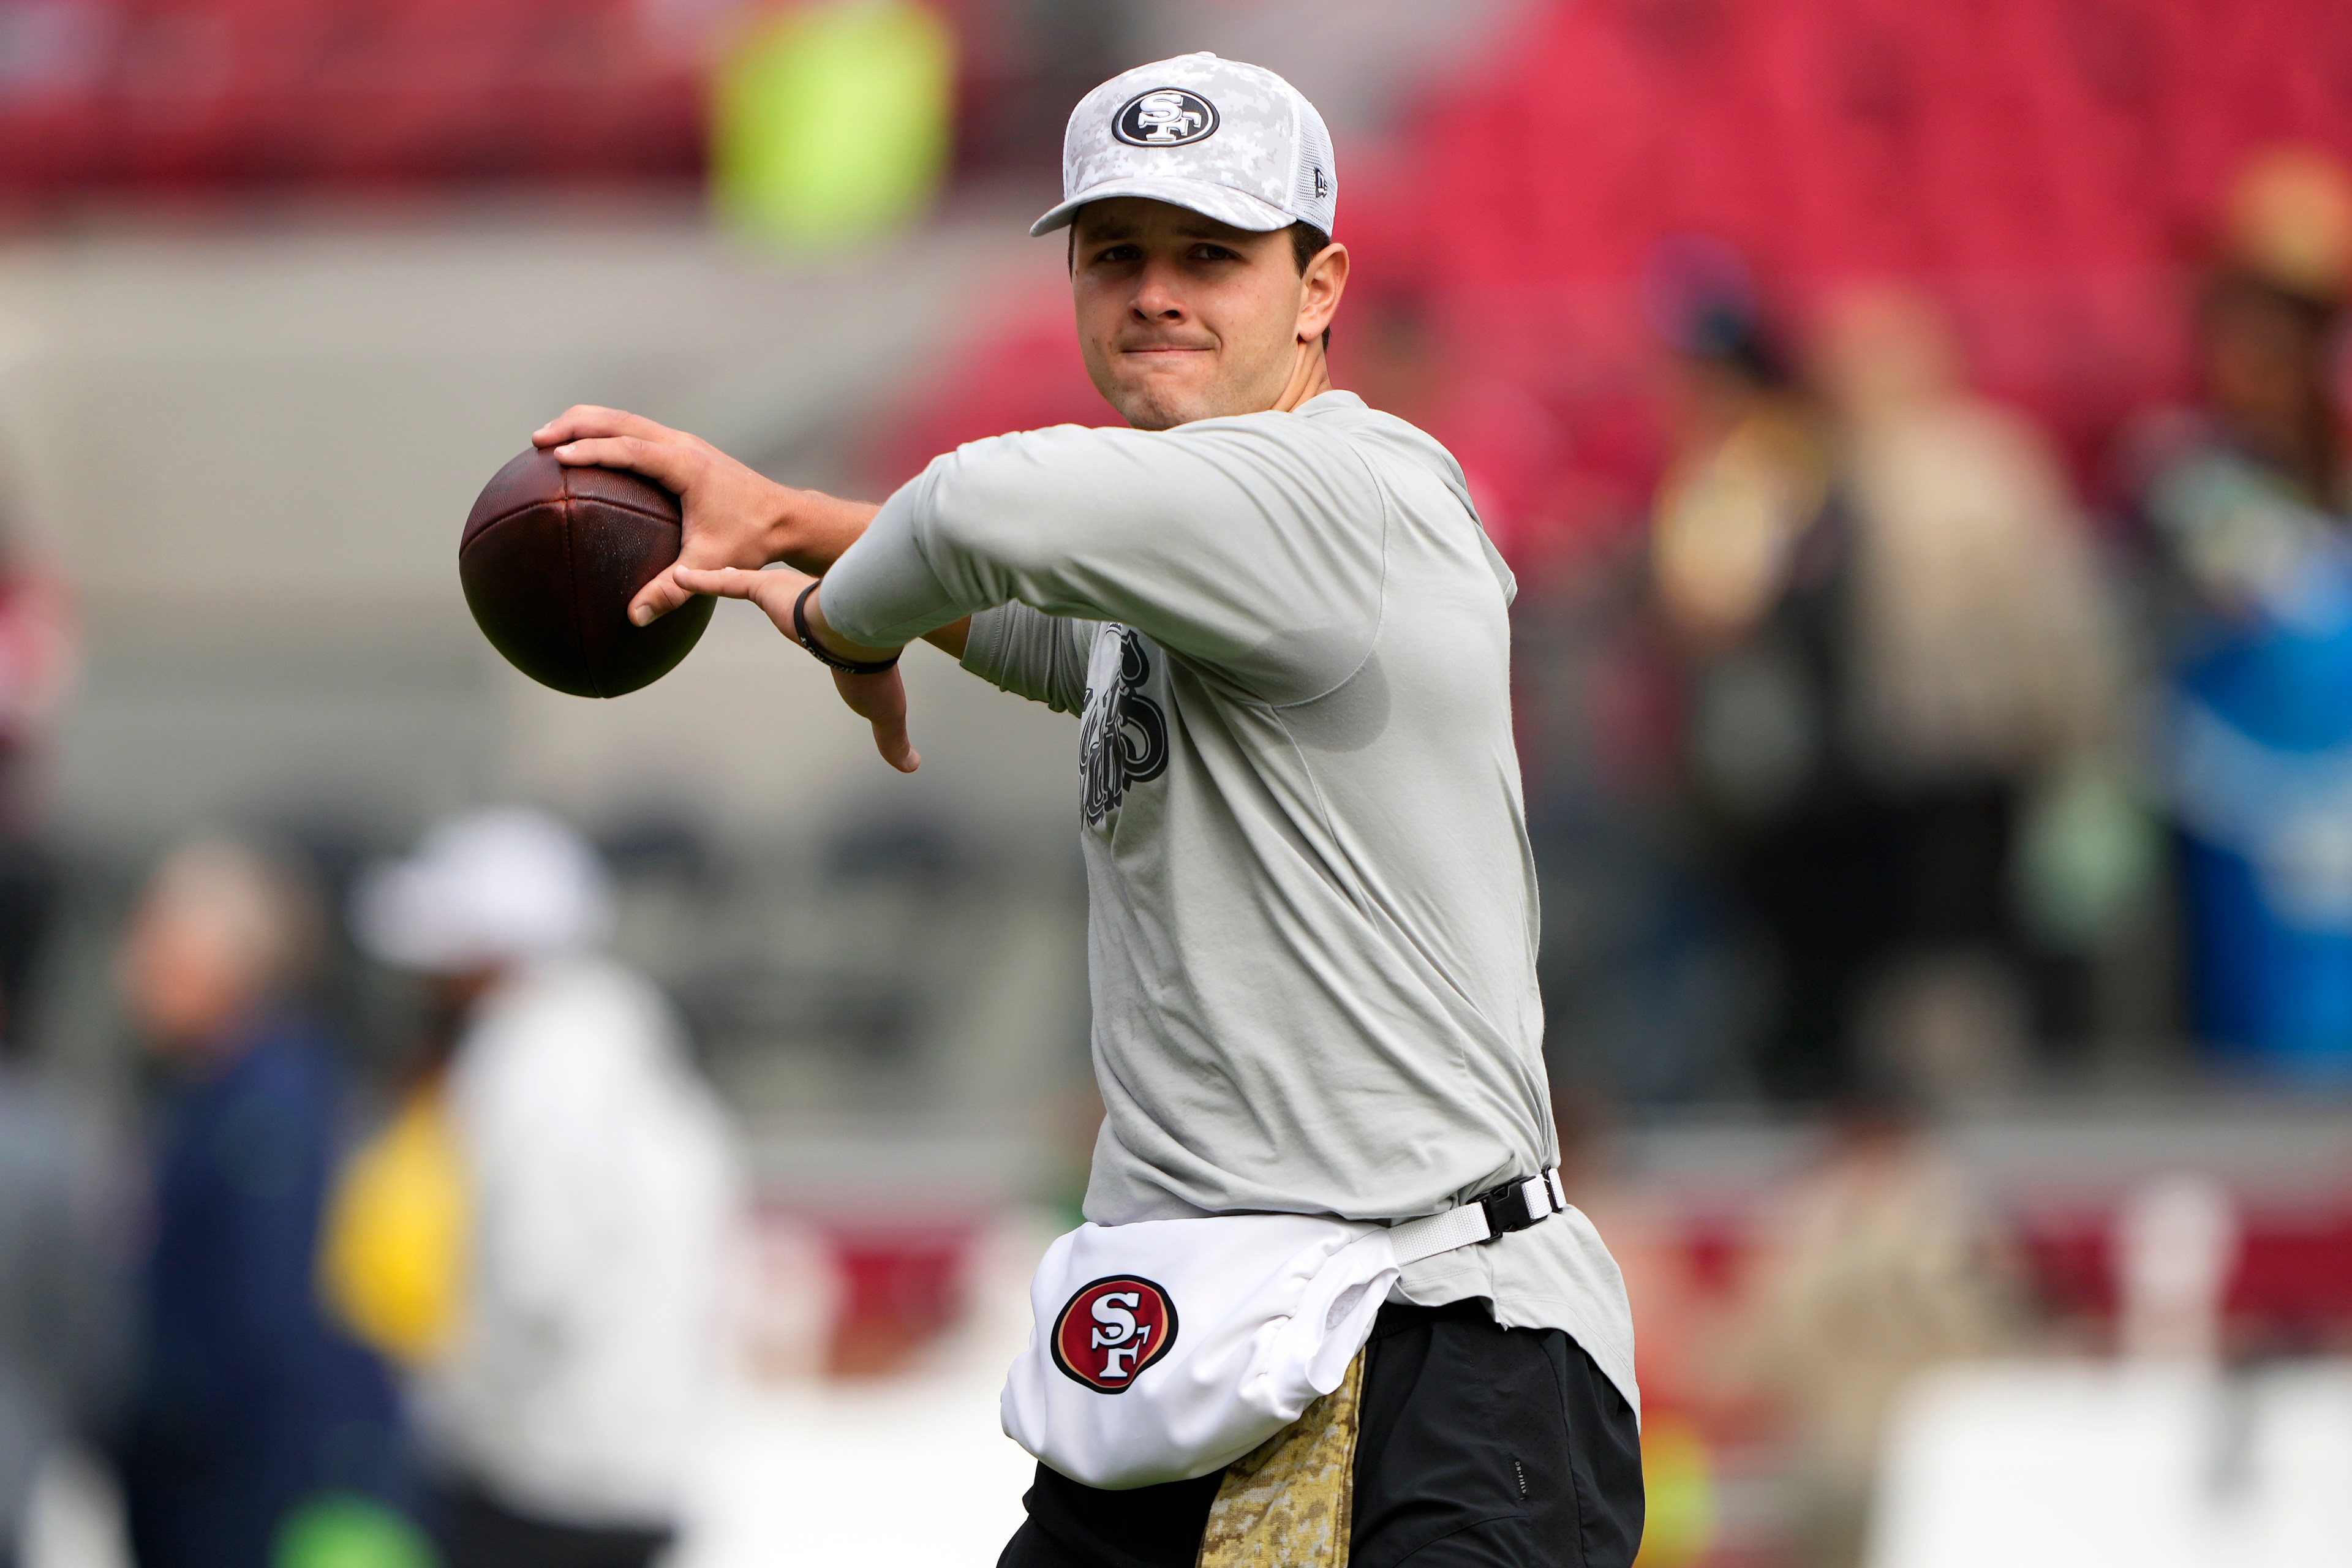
(1876, 1265)
(2245, 500)
(249, 1406)
(1679, 1324)
(1894, 635)
(1983, 677)
(601, 1198)
(1745, 567)
(60, 1312)
(63, 1321)
(39, 649)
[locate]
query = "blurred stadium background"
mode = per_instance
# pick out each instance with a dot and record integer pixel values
(1920, 433)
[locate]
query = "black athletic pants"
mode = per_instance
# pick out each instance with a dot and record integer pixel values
(1478, 1448)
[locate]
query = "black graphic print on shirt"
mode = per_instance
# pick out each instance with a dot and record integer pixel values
(1123, 738)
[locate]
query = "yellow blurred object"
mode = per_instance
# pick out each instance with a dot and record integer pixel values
(2291, 221)
(1678, 1486)
(829, 123)
(394, 1260)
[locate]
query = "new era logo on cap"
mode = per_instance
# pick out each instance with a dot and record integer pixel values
(1231, 141)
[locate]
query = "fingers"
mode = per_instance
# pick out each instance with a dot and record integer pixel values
(772, 591)
(586, 419)
(881, 700)
(660, 596)
(720, 582)
(896, 748)
(670, 464)
(681, 583)
(730, 514)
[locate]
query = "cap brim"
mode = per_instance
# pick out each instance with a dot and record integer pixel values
(1223, 203)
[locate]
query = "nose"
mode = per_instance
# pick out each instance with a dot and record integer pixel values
(1156, 297)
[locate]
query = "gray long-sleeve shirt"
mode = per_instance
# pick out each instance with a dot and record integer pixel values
(1311, 903)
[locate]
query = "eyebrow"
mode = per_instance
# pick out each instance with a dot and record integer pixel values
(1220, 233)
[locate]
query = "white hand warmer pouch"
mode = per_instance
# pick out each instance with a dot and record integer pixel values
(1167, 1349)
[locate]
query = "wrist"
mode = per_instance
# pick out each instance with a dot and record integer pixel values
(780, 536)
(809, 530)
(810, 630)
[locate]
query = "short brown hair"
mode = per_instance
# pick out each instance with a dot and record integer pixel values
(1306, 243)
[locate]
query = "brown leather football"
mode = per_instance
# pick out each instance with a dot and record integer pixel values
(551, 558)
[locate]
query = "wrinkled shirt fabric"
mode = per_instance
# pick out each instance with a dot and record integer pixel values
(1312, 904)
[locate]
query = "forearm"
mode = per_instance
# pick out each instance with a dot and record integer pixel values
(979, 528)
(811, 531)
(1233, 547)
(950, 639)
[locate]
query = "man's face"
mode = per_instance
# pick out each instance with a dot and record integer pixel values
(1183, 317)
(187, 985)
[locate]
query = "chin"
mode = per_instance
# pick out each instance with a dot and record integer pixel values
(1152, 408)
(1152, 416)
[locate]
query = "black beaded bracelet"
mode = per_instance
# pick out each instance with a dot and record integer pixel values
(826, 656)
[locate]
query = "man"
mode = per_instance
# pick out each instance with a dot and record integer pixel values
(248, 1405)
(563, 1409)
(59, 1305)
(1312, 918)
(55, 1306)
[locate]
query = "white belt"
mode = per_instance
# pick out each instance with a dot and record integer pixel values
(1514, 1205)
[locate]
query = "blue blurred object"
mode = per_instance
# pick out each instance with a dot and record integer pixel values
(248, 1399)
(2262, 773)
(2269, 995)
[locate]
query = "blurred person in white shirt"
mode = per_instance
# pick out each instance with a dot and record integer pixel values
(602, 1192)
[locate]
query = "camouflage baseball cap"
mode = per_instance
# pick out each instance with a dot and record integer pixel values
(1234, 141)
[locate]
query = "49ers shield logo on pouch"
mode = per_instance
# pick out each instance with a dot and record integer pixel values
(1112, 1329)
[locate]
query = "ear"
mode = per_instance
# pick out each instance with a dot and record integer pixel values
(1319, 287)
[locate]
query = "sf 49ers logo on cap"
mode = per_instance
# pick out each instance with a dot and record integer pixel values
(1112, 1329)
(1165, 117)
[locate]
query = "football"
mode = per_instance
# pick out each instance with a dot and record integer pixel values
(551, 558)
